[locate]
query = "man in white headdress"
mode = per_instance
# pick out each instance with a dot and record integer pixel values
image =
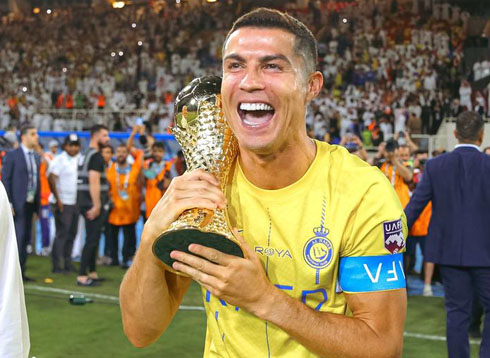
(14, 329)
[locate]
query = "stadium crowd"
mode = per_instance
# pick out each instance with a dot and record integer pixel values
(390, 72)
(388, 67)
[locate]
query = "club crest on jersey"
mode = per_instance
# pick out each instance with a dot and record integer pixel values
(393, 236)
(318, 250)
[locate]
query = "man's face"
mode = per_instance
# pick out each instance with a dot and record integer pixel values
(30, 139)
(54, 149)
(72, 149)
(107, 154)
(404, 154)
(157, 154)
(265, 89)
(121, 154)
(102, 137)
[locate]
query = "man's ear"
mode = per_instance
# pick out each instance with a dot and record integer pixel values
(315, 85)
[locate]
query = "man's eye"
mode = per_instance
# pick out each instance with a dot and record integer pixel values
(272, 66)
(234, 65)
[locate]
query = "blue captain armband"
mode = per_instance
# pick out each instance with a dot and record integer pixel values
(371, 273)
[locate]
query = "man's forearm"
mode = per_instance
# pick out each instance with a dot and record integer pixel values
(405, 172)
(150, 296)
(332, 335)
(94, 186)
(52, 186)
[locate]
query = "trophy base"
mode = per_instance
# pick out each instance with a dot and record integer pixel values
(181, 239)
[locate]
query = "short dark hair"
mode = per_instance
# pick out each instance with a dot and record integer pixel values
(158, 144)
(305, 43)
(97, 128)
(122, 145)
(25, 128)
(468, 126)
(107, 146)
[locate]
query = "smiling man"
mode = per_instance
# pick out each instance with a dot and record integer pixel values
(322, 230)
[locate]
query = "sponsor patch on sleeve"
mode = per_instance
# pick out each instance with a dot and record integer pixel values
(393, 236)
(371, 273)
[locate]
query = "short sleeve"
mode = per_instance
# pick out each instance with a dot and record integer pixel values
(96, 163)
(371, 256)
(55, 166)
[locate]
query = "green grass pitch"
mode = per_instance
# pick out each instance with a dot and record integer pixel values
(61, 330)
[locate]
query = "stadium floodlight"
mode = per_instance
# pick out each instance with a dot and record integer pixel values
(36, 10)
(48, 11)
(118, 4)
(211, 0)
(140, 43)
(133, 25)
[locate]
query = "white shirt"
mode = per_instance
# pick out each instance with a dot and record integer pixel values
(14, 328)
(467, 145)
(65, 168)
(31, 164)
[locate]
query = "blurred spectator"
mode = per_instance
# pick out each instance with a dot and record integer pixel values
(354, 145)
(157, 176)
(397, 172)
(125, 181)
(62, 178)
(20, 176)
(14, 329)
(92, 197)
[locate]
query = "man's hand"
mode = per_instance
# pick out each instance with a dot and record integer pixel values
(196, 189)
(226, 276)
(93, 212)
(59, 205)
(147, 282)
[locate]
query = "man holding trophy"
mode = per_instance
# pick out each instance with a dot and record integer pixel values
(313, 266)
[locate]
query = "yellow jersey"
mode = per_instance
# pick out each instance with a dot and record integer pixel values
(340, 228)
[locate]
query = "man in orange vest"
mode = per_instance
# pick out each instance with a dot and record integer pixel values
(397, 173)
(157, 176)
(125, 190)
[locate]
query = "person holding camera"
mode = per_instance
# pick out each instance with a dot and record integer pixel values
(354, 145)
(157, 176)
(397, 173)
(125, 182)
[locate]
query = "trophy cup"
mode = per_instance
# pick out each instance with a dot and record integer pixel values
(207, 143)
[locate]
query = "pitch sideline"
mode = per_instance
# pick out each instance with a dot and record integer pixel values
(428, 337)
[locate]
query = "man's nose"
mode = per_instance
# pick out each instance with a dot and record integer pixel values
(252, 81)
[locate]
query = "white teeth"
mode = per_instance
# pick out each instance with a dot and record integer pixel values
(255, 107)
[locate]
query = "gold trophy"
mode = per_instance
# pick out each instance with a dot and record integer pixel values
(207, 143)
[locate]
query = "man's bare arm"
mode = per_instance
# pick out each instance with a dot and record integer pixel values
(375, 330)
(149, 294)
(94, 189)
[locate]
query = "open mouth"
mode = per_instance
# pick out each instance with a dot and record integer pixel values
(256, 114)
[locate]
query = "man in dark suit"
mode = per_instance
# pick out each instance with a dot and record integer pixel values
(20, 176)
(458, 183)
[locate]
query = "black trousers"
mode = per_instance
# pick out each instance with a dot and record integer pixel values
(129, 245)
(93, 230)
(66, 223)
(460, 285)
(23, 230)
